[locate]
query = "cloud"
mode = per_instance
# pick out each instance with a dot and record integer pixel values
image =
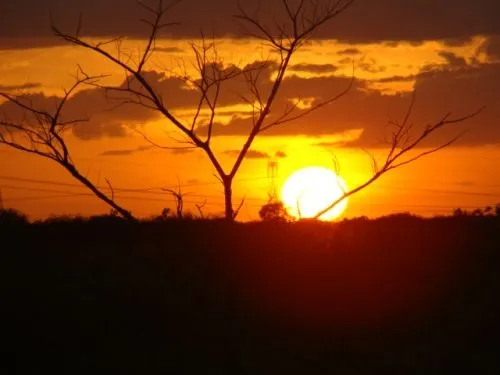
(20, 42)
(397, 78)
(370, 66)
(182, 151)
(102, 111)
(492, 47)
(440, 90)
(452, 59)
(349, 52)
(457, 42)
(455, 88)
(168, 49)
(281, 155)
(251, 154)
(313, 68)
(24, 86)
(365, 21)
(126, 152)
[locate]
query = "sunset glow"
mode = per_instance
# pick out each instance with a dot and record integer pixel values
(452, 71)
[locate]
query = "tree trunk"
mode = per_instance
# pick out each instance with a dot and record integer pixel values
(228, 199)
(123, 212)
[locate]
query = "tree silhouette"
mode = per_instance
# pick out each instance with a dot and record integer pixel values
(274, 211)
(302, 20)
(401, 143)
(42, 132)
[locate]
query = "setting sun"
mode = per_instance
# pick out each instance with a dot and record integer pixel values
(310, 190)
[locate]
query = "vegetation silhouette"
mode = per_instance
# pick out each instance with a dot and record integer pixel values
(398, 294)
(274, 210)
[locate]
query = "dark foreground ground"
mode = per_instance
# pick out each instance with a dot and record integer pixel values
(390, 296)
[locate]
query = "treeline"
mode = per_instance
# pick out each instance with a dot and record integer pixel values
(399, 294)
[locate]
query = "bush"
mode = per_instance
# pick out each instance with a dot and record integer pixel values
(274, 211)
(12, 217)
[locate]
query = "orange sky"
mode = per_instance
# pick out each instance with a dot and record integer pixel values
(450, 77)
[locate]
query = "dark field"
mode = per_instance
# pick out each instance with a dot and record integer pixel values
(397, 295)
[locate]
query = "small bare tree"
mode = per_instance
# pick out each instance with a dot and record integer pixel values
(302, 19)
(42, 132)
(179, 196)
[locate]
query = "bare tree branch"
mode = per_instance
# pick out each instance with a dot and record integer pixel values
(401, 144)
(42, 133)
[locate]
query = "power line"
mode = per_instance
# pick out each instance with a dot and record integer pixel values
(454, 192)
(151, 193)
(150, 190)
(154, 196)
(166, 197)
(125, 190)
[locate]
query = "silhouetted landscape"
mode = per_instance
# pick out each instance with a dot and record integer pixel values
(317, 116)
(394, 295)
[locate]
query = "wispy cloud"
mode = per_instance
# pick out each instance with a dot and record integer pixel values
(251, 154)
(24, 86)
(125, 152)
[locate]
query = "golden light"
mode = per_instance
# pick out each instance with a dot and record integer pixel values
(309, 190)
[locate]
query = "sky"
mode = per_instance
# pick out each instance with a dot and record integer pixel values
(448, 51)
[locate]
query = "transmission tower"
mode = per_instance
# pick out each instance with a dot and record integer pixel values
(272, 175)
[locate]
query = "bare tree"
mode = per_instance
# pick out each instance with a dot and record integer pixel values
(41, 132)
(400, 143)
(179, 199)
(301, 20)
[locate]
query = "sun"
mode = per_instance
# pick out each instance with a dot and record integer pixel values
(309, 190)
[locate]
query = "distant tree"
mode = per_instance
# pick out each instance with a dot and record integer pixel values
(42, 131)
(179, 199)
(488, 211)
(458, 212)
(274, 211)
(10, 216)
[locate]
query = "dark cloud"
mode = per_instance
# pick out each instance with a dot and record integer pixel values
(24, 86)
(169, 49)
(459, 91)
(365, 21)
(457, 42)
(251, 154)
(452, 59)
(397, 78)
(16, 42)
(349, 52)
(103, 113)
(370, 66)
(182, 151)
(313, 68)
(126, 152)
(346, 60)
(281, 155)
(492, 47)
